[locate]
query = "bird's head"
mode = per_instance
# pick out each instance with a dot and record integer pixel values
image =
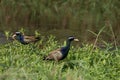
(17, 34)
(71, 38)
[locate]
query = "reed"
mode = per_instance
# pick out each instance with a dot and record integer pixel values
(76, 15)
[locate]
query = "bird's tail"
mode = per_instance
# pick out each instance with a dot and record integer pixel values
(38, 38)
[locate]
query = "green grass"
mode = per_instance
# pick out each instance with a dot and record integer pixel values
(24, 62)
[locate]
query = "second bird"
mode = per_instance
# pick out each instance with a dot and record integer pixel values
(23, 39)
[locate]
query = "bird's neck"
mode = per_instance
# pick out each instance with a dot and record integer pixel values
(67, 47)
(20, 38)
(68, 43)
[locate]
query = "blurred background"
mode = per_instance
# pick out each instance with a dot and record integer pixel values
(84, 19)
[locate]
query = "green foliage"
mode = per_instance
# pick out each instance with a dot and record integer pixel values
(24, 62)
(7, 34)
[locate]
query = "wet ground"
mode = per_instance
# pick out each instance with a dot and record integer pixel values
(4, 39)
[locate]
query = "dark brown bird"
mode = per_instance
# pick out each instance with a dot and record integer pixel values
(61, 53)
(23, 39)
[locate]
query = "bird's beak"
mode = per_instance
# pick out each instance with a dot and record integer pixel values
(14, 36)
(76, 39)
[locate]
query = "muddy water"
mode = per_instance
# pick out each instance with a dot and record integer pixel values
(60, 34)
(4, 39)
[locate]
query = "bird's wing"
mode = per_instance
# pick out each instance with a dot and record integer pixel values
(55, 55)
(30, 38)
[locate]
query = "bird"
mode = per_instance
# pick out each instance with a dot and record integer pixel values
(23, 39)
(60, 53)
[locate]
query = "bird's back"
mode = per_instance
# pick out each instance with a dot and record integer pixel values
(54, 55)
